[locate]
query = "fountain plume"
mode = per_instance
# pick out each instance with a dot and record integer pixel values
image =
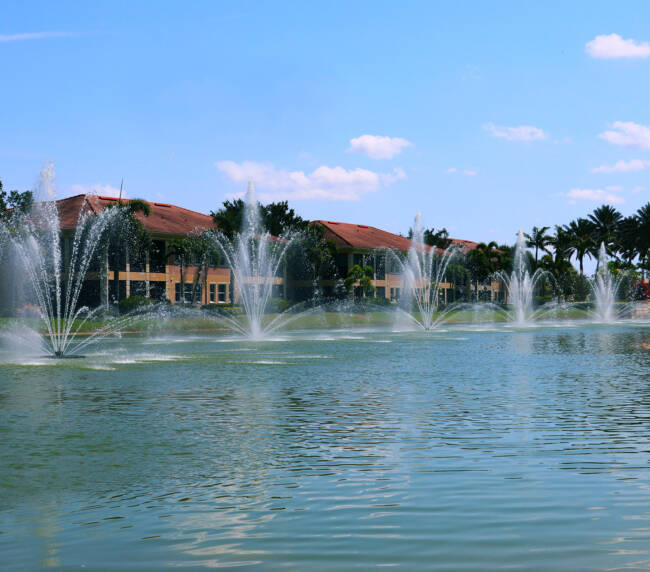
(255, 258)
(56, 284)
(520, 285)
(604, 289)
(423, 271)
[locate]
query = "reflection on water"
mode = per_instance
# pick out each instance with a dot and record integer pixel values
(464, 450)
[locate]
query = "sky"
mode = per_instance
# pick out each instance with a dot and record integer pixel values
(486, 117)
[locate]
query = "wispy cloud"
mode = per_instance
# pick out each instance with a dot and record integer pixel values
(623, 167)
(378, 146)
(96, 189)
(516, 133)
(628, 134)
(599, 195)
(328, 183)
(466, 172)
(32, 36)
(612, 47)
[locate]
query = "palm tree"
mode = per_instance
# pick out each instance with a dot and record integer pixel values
(581, 240)
(539, 240)
(561, 244)
(128, 233)
(627, 237)
(606, 220)
(181, 250)
(643, 235)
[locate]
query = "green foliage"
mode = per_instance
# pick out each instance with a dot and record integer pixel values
(276, 218)
(539, 240)
(133, 302)
(362, 275)
(126, 235)
(432, 237)
(14, 205)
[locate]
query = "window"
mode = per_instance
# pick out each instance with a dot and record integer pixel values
(222, 293)
(380, 267)
(342, 264)
(157, 290)
(157, 256)
(380, 292)
(213, 288)
(138, 288)
(394, 265)
(188, 293)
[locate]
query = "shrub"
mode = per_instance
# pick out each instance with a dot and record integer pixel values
(133, 302)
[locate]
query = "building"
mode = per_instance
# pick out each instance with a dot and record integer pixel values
(362, 244)
(156, 273)
(160, 274)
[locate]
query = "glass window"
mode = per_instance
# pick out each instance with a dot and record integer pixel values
(222, 293)
(380, 267)
(213, 290)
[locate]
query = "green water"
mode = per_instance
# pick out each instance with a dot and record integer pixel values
(339, 450)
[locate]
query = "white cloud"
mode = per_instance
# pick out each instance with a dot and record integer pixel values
(600, 195)
(628, 134)
(378, 146)
(613, 47)
(466, 172)
(32, 36)
(330, 183)
(614, 188)
(638, 189)
(623, 167)
(96, 189)
(517, 133)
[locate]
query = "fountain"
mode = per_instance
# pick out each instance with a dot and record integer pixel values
(255, 258)
(520, 285)
(423, 271)
(56, 281)
(604, 288)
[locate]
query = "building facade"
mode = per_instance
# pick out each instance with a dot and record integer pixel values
(159, 273)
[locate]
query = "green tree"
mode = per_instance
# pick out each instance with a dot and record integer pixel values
(627, 238)
(581, 240)
(605, 220)
(13, 206)
(181, 250)
(276, 218)
(362, 275)
(127, 237)
(643, 235)
(539, 240)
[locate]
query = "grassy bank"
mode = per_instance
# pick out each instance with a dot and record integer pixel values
(157, 323)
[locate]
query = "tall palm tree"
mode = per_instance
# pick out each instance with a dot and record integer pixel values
(539, 240)
(581, 240)
(606, 220)
(643, 235)
(627, 237)
(181, 250)
(561, 244)
(127, 234)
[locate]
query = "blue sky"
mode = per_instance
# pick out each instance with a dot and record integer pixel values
(486, 117)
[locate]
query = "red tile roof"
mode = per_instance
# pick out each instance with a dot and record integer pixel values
(163, 219)
(348, 235)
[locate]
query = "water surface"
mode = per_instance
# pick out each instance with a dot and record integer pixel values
(336, 450)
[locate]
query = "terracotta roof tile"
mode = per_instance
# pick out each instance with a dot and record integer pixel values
(163, 219)
(348, 235)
